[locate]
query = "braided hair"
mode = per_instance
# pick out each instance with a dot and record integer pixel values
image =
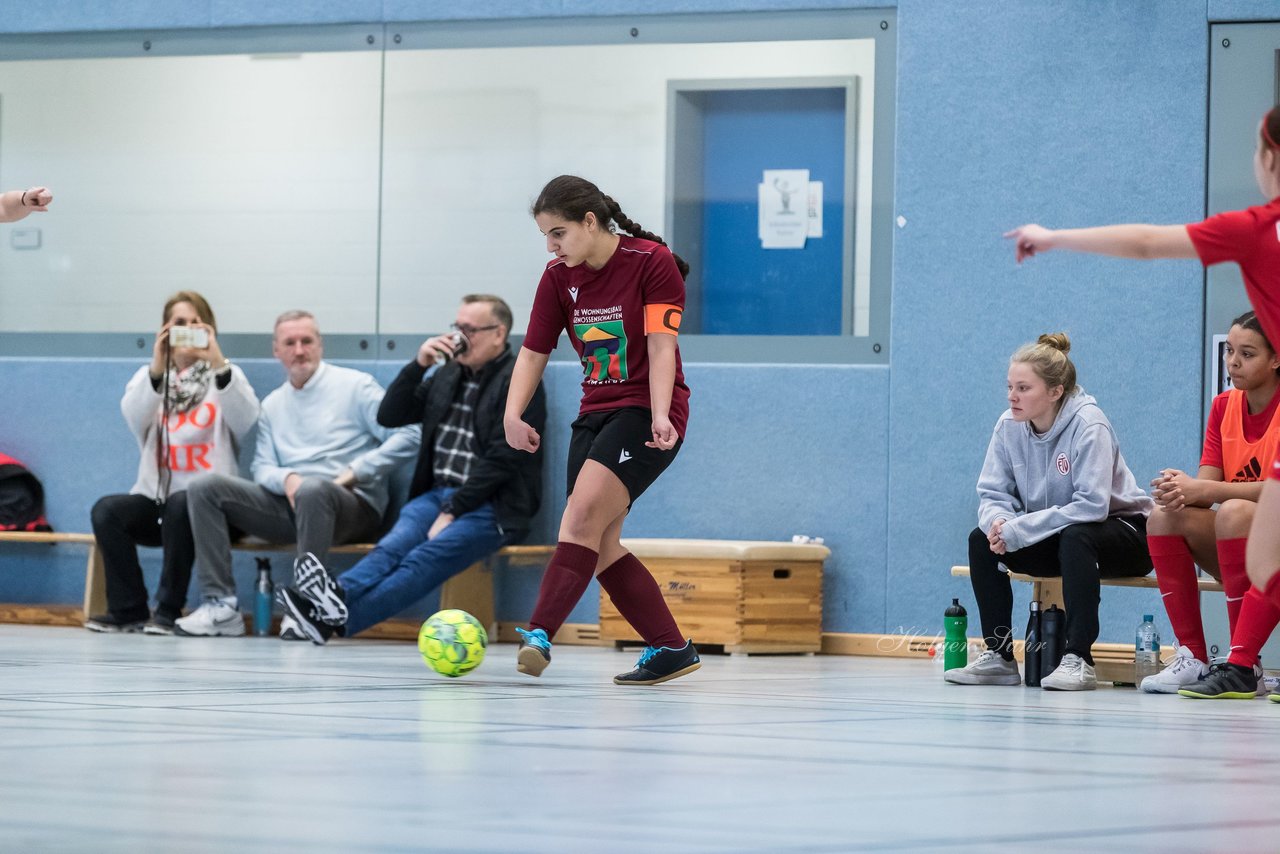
(571, 198)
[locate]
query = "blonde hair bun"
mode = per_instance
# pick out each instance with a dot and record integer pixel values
(1057, 340)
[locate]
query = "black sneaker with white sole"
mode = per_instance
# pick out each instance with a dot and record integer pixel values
(313, 581)
(111, 624)
(304, 616)
(160, 624)
(660, 665)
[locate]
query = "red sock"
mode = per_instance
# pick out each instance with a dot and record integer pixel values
(1235, 581)
(639, 600)
(1176, 575)
(1258, 618)
(563, 584)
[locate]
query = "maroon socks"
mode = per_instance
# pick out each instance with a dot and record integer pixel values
(563, 584)
(639, 600)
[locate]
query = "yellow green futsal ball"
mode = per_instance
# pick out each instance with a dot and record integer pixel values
(452, 642)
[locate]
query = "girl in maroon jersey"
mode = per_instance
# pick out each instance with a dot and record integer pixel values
(1251, 238)
(620, 297)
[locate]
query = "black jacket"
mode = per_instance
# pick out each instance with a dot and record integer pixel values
(511, 479)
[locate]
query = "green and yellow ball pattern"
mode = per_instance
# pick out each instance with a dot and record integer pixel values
(452, 642)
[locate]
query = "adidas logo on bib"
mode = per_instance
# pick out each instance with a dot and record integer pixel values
(1251, 473)
(624, 456)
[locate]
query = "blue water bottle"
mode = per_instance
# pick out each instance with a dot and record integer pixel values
(263, 596)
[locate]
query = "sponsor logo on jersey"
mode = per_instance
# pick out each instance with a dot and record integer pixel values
(604, 350)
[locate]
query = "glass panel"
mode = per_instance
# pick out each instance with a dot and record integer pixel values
(250, 178)
(471, 135)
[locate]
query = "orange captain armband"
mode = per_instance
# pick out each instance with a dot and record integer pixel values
(662, 318)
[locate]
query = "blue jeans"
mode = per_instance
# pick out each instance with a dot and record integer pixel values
(406, 566)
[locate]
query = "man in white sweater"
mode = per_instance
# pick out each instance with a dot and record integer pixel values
(318, 472)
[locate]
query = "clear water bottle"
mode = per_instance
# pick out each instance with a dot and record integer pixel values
(263, 597)
(1146, 650)
(937, 654)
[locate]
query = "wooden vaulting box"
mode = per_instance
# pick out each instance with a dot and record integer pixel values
(749, 596)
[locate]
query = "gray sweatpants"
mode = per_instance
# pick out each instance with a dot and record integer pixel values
(325, 513)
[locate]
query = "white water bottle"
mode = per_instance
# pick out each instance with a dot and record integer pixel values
(1146, 650)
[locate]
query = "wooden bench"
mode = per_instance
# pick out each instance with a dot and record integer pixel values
(1113, 662)
(470, 590)
(748, 596)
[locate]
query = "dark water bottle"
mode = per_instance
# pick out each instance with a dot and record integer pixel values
(263, 595)
(1033, 642)
(1053, 639)
(956, 621)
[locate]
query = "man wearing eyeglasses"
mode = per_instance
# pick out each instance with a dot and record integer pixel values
(471, 494)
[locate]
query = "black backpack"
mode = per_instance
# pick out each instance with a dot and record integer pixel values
(21, 498)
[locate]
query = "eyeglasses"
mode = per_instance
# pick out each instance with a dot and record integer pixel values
(472, 330)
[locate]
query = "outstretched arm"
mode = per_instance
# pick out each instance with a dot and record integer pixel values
(16, 204)
(1122, 241)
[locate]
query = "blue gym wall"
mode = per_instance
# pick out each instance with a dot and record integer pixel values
(1007, 112)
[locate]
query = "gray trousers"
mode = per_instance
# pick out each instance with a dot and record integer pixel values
(324, 514)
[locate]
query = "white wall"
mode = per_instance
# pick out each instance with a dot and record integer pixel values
(255, 180)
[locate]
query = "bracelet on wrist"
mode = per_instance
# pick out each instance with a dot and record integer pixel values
(24, 198)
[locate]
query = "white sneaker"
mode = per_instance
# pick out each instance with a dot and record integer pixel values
(1073, 674)
(214, 618)
(1182, 671)
(989, 669)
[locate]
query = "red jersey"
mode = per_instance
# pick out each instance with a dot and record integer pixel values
(608, 312)
(1250, 238)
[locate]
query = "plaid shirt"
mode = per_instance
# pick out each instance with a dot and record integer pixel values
(455, 436)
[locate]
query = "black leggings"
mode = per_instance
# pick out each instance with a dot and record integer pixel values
(1082, 554)
(121, 523)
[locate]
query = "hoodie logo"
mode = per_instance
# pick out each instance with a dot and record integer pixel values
(573, 294)
(1064, 465)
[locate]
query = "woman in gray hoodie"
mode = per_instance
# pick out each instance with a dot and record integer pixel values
(1055, 498)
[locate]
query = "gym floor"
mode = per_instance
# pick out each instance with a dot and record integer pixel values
(134, 743)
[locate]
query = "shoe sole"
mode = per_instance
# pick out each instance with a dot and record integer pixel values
(1225, 695)
(104, 629)
(312, 580)
(156, 630)
(1162, 689)
(237, 632)
(531, 662)
(660, 679)
(995, 680)
(1275, 698)
(301, 623)
(1084, 687)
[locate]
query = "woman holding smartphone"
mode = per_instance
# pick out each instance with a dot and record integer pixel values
(189, 409)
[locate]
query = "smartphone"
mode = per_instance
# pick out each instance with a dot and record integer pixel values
(188, 336)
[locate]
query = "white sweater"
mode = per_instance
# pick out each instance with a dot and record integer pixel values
(206, 438)
(330, 424)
